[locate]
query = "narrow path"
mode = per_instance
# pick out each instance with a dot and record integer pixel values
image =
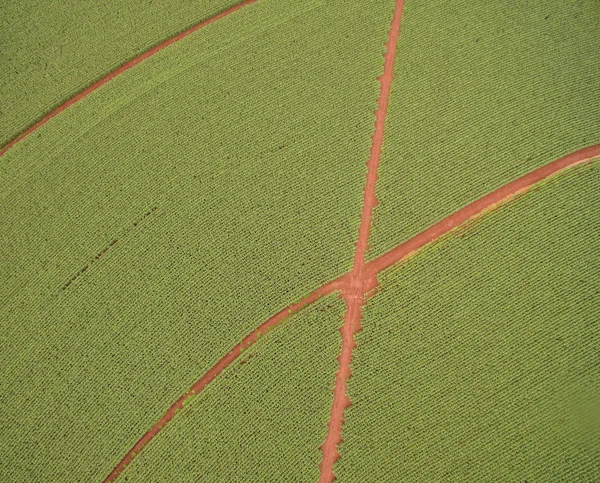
(370, 270)
(128, 65)
(359, 283)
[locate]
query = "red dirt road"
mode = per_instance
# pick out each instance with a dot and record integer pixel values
(359, 283)
(472, 210)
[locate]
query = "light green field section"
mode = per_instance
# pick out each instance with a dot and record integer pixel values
(246, 145)
(479, 357)
(263, 420)
(52, 49)
(483, 93)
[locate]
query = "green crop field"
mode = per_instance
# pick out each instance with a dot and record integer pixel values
(160, 201)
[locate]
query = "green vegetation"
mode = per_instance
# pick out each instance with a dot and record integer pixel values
(146, 230)
(50, 50)
(483, 93)
(263, 418)
(250, 139)
(478, 359)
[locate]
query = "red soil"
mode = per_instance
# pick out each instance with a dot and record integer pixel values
(359, 282)
(128, 65)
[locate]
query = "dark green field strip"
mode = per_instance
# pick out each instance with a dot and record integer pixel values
(478, 358)
(482, 94)
(263, 418)
(49, 51)
(248, 154)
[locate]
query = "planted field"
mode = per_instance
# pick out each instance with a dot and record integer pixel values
(299, 241)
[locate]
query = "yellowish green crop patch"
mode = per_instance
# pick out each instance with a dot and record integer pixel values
(51, 50)
(254, 156)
